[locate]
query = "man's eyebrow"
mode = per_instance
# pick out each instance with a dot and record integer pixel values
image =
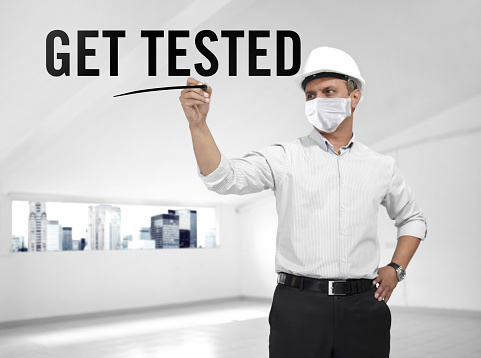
(330, 87)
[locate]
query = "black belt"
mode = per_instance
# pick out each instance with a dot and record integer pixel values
(331, 287)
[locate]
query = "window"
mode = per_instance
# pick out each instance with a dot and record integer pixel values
(59, 226)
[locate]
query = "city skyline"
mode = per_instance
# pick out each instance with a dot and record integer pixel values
(135, 218)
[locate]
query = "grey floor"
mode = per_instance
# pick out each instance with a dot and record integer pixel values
(227, 329)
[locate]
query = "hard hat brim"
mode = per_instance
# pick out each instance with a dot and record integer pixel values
(299, 78)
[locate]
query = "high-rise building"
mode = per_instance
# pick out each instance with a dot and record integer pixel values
(165, 231)
(145, 233)
(125, 241)
(67, 239)
(54, 236)
(187, 227)
(210, 238)
(18, 243)
(37, 226)
(104, 228)
(184, 238)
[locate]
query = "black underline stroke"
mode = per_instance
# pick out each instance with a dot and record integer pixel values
(204, 87)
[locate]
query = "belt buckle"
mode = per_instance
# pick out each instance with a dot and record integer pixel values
(281, 278)
(330, 288)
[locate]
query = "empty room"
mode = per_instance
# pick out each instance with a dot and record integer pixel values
(239, 179)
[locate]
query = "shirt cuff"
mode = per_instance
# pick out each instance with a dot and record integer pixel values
(416, 228)
(218, 174)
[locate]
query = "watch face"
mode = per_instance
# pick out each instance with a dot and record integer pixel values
(401, 273)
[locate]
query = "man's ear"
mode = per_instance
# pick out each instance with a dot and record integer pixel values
(355, 97)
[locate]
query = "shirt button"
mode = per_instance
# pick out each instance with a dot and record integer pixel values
(343, 259)
(343, 207)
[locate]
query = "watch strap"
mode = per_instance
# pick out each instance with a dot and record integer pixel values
(400, 271)
(393, 265)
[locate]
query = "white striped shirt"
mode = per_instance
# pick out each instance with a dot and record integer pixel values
(327, 203)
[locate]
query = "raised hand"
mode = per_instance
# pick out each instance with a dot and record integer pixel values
(195, 102)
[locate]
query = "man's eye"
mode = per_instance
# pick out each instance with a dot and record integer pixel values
(310, 96)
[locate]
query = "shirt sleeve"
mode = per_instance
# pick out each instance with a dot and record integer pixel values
(254, 172)
(403, 209)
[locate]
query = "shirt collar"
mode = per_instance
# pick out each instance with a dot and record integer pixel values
(325, 144)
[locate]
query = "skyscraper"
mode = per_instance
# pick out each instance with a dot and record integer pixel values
(210, 238)
(17, 243)
(187, 227)
(145, 233)
(37, 226)
(104, 228)
(165, 231)
(67, 239)
(125, 241)
(54, 236)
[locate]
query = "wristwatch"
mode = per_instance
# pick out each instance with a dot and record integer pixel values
(401, 273)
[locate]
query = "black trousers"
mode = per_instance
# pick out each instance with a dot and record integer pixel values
(307, 324)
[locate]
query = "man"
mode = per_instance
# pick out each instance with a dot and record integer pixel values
(331, 296)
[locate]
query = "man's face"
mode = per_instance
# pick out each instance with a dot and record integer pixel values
(327, 87)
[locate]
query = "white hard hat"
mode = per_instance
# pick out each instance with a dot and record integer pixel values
(329, 60)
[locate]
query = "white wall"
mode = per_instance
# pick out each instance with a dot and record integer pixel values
(37, 285)
(257, 236)
(440, 158)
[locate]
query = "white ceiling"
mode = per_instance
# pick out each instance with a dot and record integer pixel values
(68, 136)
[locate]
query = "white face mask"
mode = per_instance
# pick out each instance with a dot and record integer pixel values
(326, 114)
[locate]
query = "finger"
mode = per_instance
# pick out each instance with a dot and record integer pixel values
(388, 297)
(382, 295)
(189, 102)
(199, 91)
(209, 89)
(386, 293)
(194, 95)
(192, 102)
(375, 281)
(192, 81)
(379, 291)
(199, 101)
(190, 94)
